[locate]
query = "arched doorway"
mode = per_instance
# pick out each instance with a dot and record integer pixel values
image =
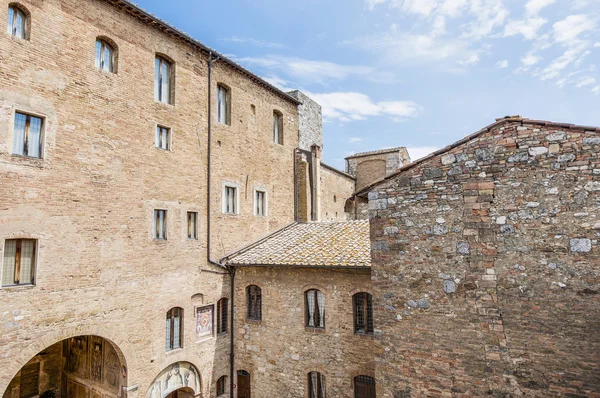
(178, 380)
(243, 384)
(78, 367)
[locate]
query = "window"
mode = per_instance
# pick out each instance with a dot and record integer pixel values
(334, 199)
(223, 105)
(192, 225)
(260, 203)
(277, 127)
(222, 316)
(162, 80)
(163, 138)
(27, 137)
(160, 224)
(254, 303)
(17, 22)
(363, 313)
(105, 56)
(221, 385)
(316, 385)
(364, 387)
(230, 199)
(174, 328)
(315, 309)
(18, 267)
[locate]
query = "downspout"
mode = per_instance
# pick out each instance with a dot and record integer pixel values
(231, 344)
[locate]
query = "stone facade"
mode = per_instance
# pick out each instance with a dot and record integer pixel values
(369, 167)
(310, 122)
(485, 266)
(336, 188)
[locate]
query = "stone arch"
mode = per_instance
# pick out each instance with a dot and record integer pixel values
(175, 377)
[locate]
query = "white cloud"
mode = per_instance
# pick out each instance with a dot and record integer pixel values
(528, 28)
(596, 90)
(586, 81)
(254, 42)
(278, 82)
(354, 140)
(559, 64)
(452, 8)
(502, 64)
(530, 59)
(372, 3)
(420, 151)
(348, 106)
(421, 7)
(567, 30)
(533, 7)
(489, 14)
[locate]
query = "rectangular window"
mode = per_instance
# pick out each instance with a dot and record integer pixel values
(222, 316)
(260, 203)
(18, 267)
(163, 138)
(192, 225)
(277, 128)
(223, 105)
(160, 224)
(174, 328)
(27, 137)
(162, 80)
(230, 200)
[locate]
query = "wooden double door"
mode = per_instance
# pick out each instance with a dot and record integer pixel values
(243, 384)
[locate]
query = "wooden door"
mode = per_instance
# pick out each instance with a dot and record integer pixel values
(364, 387)
(243, 384)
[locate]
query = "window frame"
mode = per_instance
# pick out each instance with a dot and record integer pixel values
(17, 10)
(17, 265)
(171, 315)
(100, 63)
(155, 233)
(236, 199)
(254, 306)
(265, 202)
(222, 316)
(278, 127)
(27, 133)
(316, 316)
(193, 225)
(157, 139)
(365, 299)
(222, 386)
(321, 385)
(227, 117)
(159, 86)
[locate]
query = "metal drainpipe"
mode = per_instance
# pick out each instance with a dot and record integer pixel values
(231, 343)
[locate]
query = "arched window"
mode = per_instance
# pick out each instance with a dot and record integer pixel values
(277, 127)
(363, 313)
(222, 316)
(315, 308)
(364, 387)
(316, 385)
(105, 56)
(174, 328)
(163, 76)
(17, 22)
(254, 303)
(221, 383)
(223, 104)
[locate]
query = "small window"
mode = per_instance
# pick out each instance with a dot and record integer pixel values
(254, 303)
(315, 309)
(222, 316)
(316, 385)
(162, 80)
(230, 199)
(17, 22)
(163, 138)
(221, 383)
(27, 135)
(364, 387)
(277, 127)
(174, 328)
(260, 203)
(18, 267)
(105, 56)
(363, 313)
(160, 224)
(192, 225)
(334, 199)
(223, 105)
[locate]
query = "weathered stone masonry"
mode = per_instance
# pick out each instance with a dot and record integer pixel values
(486, 266)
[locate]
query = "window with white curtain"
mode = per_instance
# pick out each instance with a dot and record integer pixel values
(277, 127)
(223, 105)
(17, 22)
(105, 56)
(160, 224)
(315, 309)
(162, 80)
(18, 267)
(27, 135)
(192, 225)
(230, 199)
(174, 328)
(260, 203)
(316, 385)
(163, 138)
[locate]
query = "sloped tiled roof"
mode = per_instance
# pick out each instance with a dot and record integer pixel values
(378, 151)
(311, 244)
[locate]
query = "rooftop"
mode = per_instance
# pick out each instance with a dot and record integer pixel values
(377, 152)
(311, 244)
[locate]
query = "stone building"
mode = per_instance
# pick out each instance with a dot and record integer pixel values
(485, 260)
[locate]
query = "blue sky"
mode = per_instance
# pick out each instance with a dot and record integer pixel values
(414, 73)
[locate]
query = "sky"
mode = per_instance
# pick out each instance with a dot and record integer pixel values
(415, 73)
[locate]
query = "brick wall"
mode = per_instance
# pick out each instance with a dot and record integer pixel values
(372, 167)
(485, 267)
(336, 188)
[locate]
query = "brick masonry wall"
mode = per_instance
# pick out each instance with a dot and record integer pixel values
(90, 200)
(485, 266)
(279, 351)
(336, 188)
(370, 168)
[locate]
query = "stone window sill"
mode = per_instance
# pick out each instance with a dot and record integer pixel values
(315, 330)
(254, 322)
